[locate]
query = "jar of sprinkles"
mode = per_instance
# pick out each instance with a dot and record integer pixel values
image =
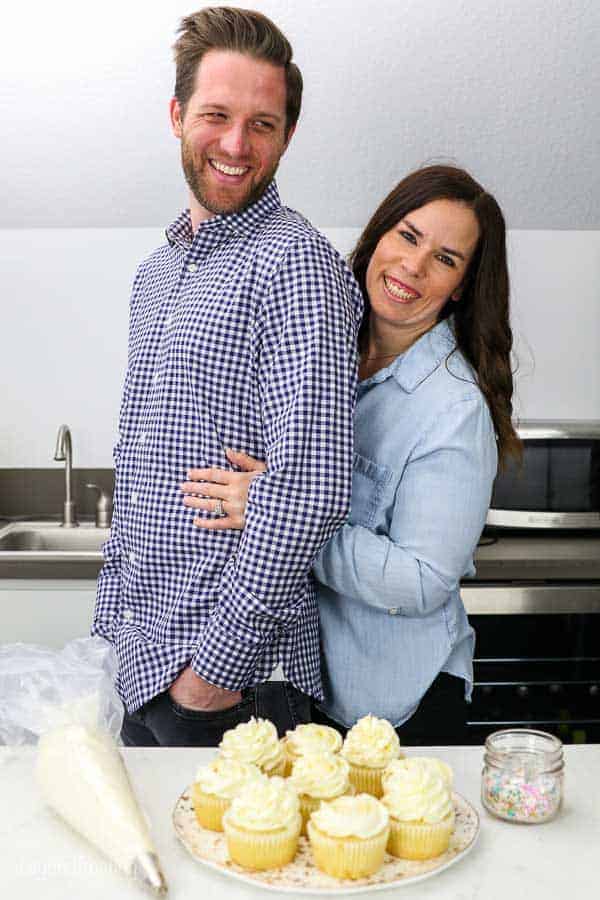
(522, 778)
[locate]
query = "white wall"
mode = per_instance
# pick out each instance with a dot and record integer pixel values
(91, 176)
(65, 328)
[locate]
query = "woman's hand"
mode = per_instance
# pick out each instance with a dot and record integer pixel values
(206, 487)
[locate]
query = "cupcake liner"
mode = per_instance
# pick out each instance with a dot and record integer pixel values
(277, 769)
(416, 840)
(308, 805)
(262, 849)
(209, 808)
(367, 780)
(288, 758)
(347, 857)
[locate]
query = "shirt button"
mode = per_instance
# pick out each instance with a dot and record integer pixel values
(128, 614)
(142, 437)
(393, 611)
(155, 377)
(132, 557)
(169, 321)
(192, 267)
(134, 497)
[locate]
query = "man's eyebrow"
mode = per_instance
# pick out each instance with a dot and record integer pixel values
(447, 250)
(259, 115)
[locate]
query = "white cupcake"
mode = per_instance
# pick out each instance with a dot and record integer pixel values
(421, 811)
(263, 824)
(255, 742)
(369, 747)
(310, 738)
(348, 836)
(215, 786)
(317, 777)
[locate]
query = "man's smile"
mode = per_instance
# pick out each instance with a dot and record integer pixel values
(229, 172)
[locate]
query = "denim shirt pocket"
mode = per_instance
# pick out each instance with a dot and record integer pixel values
(369, 481)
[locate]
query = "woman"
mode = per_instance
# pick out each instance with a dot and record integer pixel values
(433, 416)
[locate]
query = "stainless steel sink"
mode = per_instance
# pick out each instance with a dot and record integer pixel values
(46, 541)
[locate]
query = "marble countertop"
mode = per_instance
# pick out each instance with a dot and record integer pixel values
(42, 857)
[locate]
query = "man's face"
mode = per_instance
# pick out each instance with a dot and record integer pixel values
(233, 131)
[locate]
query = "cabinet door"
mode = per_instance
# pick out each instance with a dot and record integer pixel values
(47, 613)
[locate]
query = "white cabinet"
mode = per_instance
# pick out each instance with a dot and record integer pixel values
(45, 612)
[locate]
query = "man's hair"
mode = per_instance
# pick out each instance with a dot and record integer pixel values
(240, 31)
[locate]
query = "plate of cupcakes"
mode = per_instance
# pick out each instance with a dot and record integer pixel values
(312, 813)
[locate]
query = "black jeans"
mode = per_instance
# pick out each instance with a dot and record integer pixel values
(164, 723)
(440, 718)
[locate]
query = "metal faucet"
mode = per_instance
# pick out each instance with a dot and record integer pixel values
(64, 453)
(104, 506)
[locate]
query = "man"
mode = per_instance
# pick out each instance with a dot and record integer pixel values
(242, 335)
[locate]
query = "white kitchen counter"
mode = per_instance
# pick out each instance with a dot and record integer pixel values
(42, 857)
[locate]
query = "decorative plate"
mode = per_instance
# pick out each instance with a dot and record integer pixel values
(301, 876)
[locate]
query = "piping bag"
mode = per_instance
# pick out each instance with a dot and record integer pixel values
(66, 702)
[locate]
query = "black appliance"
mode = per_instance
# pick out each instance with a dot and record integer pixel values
(535, 600)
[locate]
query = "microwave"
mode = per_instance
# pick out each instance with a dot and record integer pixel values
(558, 483)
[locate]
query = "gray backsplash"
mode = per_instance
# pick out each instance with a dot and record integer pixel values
(41, 492)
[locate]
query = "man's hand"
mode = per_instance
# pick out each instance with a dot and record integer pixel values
(194, 692)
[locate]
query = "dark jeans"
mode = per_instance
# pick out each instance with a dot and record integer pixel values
(440, 717)
(164, 723)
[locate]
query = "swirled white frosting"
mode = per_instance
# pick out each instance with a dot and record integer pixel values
(313, 738)
(264, 805)
(255, 742)
(400, 765)
(225, 777)
(371, 742)
(361, 816)
(417, 794)
(320, 775)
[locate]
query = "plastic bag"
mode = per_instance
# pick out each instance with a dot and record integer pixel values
(66, 702)
(41, 689)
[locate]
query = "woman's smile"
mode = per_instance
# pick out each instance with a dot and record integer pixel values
(397, 290)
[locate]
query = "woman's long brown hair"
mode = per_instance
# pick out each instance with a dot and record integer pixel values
(481, 316)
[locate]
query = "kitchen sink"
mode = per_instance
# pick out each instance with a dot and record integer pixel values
(45, 541)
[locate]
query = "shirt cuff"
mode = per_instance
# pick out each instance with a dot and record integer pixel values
(224, 660)
(239, 630)
(102, 628)
(108, 596)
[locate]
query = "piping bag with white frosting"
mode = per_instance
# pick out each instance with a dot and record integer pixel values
(66, 701)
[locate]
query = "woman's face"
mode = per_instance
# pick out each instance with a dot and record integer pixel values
(421, 263)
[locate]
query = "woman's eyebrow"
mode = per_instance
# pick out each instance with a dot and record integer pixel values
(447, 250)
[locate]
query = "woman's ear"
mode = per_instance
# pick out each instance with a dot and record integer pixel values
(455, 295)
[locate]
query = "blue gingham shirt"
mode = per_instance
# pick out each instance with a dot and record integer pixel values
(242, 335)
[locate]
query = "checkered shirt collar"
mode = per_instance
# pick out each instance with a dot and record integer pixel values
(242, 223)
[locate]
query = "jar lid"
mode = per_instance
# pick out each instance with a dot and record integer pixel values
(523, 744)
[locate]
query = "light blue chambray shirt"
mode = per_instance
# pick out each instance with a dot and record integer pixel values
(388, 581)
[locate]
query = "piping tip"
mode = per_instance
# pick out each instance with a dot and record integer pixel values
(146, 868)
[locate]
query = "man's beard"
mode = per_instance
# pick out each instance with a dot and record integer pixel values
(207, 196)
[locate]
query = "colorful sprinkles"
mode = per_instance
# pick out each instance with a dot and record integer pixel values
(520, 795)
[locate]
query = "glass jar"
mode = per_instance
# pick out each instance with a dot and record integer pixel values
(522, 778)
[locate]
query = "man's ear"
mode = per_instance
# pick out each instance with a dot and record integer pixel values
(288, 139)
(176, 117)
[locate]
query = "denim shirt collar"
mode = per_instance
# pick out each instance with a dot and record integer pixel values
(411, 368)
(242, 223)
